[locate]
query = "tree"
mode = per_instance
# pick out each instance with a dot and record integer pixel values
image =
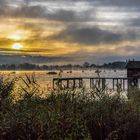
(86, 65)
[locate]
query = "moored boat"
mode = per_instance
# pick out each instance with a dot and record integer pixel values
(52, 73)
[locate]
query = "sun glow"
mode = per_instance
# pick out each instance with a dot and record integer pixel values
(17, 46)
(15, 37)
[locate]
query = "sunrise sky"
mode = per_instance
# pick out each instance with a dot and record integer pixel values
(69, 31)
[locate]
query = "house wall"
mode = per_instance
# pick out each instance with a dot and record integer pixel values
(133, 72)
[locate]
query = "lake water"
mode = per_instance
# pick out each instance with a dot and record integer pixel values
(46, 80)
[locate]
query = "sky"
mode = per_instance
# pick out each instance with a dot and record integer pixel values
(69, 31)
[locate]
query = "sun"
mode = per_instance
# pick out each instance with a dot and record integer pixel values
(17, 46)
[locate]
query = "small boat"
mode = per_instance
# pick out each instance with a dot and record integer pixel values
(69, 71)
(52, 73)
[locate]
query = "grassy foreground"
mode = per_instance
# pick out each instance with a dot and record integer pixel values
(67, 114)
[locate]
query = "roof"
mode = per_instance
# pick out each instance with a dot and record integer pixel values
(133, 64)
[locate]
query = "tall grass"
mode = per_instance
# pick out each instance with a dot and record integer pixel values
(67, 114)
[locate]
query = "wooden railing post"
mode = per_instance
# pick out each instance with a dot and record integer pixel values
(74, 82)
(103, 83)
(53, 83)
(113, 84)
(67, 83)
(80, 83)
(123, 84)
(100, 82)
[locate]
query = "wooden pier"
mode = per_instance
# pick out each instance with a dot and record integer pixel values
(101, 82)
(114, 83)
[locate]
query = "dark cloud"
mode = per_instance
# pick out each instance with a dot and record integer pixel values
(38, 11)
(4, 8)
(62, 15)
(61, 11)
(72, 16)
(91, 36)
(23, 10)
(33, 10)
(2, 2)
(134, 22)
(29, 11)
(18, 59)
(111, 2)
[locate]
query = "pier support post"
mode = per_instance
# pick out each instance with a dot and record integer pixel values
(123, 84)
(117, 83)
(103, 83)
(67, 83)
(113, 84)
(91, 83)
(74, 84)
(80, 83)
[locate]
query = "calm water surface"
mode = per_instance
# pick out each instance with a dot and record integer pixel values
(46, 80)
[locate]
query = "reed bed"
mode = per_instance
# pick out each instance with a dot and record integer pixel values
(67, 114)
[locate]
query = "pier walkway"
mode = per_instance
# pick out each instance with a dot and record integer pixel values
(113, 83)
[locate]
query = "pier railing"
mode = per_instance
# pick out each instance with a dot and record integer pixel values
(100, 82)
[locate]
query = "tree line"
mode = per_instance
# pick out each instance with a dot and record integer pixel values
(86, 65)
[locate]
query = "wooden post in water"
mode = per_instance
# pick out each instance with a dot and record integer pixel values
(80, 83)
(113, 84)
(67, 83)
(123, 84)
(74, 82)
(103, 83)
(90, 83)
(117, 83)
(53, 83)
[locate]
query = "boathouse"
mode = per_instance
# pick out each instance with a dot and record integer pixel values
(133, 73)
